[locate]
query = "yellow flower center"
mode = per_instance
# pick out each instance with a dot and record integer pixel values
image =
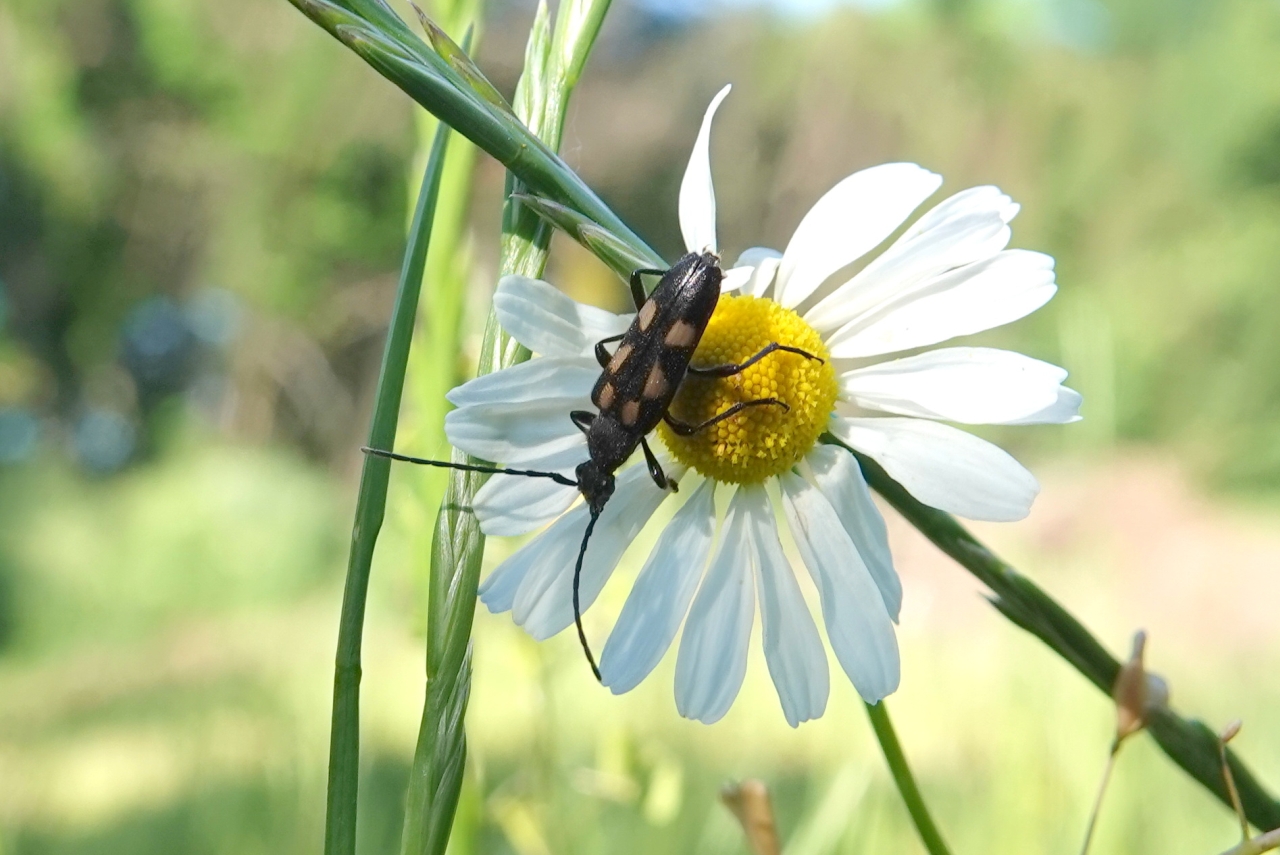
(760, 441)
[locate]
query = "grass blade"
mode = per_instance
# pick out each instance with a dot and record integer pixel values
(344, 741)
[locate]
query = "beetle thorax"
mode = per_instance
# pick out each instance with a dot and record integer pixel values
(609, 443)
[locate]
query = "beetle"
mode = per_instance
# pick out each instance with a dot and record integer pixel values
(637, 384)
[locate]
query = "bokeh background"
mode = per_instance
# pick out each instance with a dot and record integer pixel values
(202, 208)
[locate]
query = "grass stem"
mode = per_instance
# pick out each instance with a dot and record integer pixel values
(1097, 801)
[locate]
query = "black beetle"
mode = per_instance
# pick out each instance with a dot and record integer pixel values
(637, 383)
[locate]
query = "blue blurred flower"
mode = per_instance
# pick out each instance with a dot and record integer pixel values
(104, 440)
(19, 431)
(158, 347)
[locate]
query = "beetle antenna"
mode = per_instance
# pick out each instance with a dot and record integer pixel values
(466, 467)
(577, 603)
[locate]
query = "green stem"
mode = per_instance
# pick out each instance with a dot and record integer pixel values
(906, 782)
(344, 740)
(435, 778)
(1188, 742)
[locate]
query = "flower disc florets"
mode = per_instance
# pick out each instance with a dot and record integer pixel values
(764, 441)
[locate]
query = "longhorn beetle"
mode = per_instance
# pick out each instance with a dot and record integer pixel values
(635, 390)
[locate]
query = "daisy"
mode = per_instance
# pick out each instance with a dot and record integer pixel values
(947, 275)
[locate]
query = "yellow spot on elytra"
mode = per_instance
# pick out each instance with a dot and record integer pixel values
(619, 359)
(681, 334)
(764, 441)
(655, 385)
(647, 311)
(606, 396)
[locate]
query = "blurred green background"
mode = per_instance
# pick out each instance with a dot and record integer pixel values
(202, 208)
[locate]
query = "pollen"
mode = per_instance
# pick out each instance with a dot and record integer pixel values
(759, 441)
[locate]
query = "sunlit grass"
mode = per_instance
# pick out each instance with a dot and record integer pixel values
(201, 724)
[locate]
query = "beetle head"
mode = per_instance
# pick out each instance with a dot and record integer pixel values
(596, 485)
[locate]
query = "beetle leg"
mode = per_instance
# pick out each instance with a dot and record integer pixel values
(603, 356)
(637, 287)
(686, 429)
(729, 369)
(655, 469)
(582, 419)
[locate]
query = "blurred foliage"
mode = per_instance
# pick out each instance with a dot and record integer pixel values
(202, 208)
(154, 149)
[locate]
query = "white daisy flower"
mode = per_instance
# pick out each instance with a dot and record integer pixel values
(948, 275)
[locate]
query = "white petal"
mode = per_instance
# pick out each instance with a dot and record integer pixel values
(859, 627)
(1064, 410)
(713, 648)
(972, 385)
(515, 433)
(792, 647)
(697, 195)
(849, 221)
(944, 467)
(508, 505)
(753, 256)
(501, 587)
(543, 377)
(971, 226)
(974, 200)
(837, 474)
(735, 278)
(977, 297)
(763, 264)
(544, 603)
(547, 322)
(657, 604)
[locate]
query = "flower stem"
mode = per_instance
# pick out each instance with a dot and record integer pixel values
(371, 504)
(906, 782)
(1188, 742)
